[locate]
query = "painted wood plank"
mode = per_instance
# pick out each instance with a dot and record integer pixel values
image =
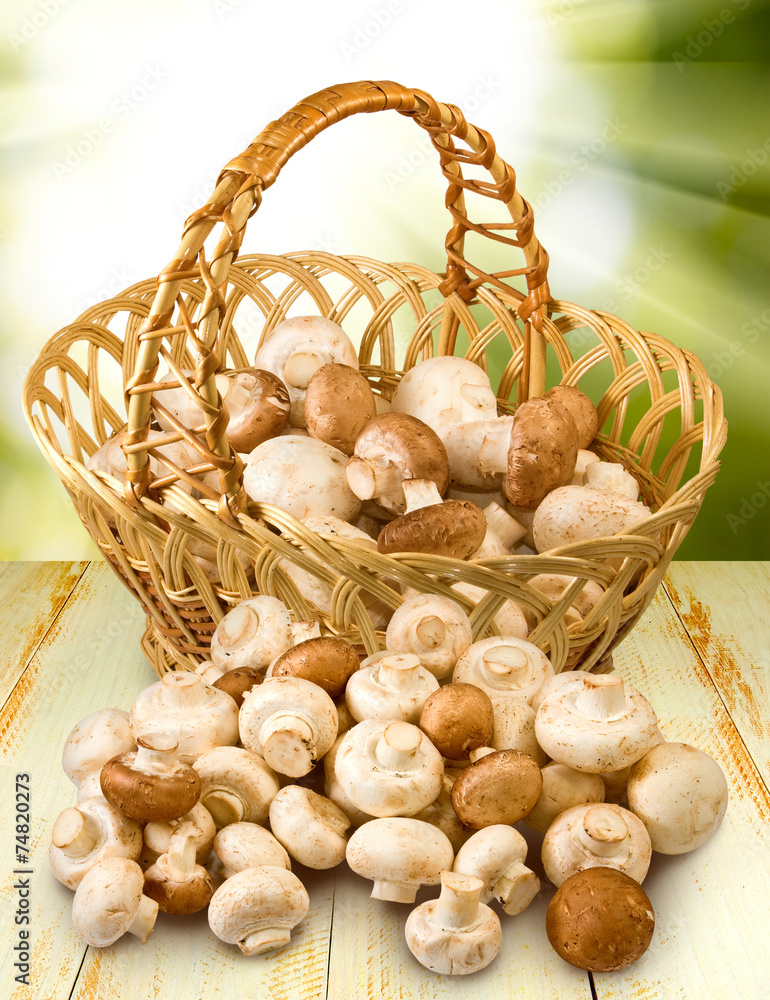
(89, 659)
(725, 608)
(711, 904)
(31, 595)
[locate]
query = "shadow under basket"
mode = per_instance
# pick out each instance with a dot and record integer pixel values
(190, 544)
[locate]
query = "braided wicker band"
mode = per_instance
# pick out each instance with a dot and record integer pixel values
(190, 548)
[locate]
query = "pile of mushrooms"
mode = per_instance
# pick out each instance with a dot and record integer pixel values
(406, 765)
(414, 764)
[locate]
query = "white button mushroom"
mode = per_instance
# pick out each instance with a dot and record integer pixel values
(388, 768)
(596, 835)
(454, 934)
(252, 633)
(247, 845)
(562, 788)
(496, 855)
(87, 834)
(296, 348)
(579, 513)
(599, 725)
(504, 664)
(399, 854)
(289, 721)
(96, 738)
(109, 903)
(395, 687)
(680, 794)
(310, 827)
(432, 627)
(279, 470)
(257, 909)
(183, 706)
(444, 391)
(333, 789)
(236, 785)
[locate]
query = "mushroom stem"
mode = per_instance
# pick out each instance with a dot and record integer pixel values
(420, 493)
(300, 368)
(399, 672)
(458, 904)
(225, 807)
(264, 939)
(397, 746)
(493, 454)
(602, 832)
(393, 891)
(430, 632)
(516, 888)
(182, 848)
(288, 743)
(182, 691)
(480, 752)
(144, 920)
(509, 663)
(602, 697)
(155, 751)
(504, 525)
(367, 479)
(75, 833)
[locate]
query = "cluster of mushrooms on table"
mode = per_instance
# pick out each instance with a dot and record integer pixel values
(412, 764)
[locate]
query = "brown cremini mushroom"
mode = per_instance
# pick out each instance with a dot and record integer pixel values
(499, 787)
(150, 783)
(327, 661)
(580, 408)
(445, 528)
(600, 920)
(339, 402)
(458, 718)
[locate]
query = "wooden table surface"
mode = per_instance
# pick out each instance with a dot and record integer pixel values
(701, 654)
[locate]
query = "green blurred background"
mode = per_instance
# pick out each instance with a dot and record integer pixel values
(640, 133)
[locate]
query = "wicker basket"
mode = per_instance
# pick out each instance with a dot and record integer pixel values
(660, 414)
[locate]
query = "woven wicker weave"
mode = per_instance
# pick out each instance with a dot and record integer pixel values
(660, 414)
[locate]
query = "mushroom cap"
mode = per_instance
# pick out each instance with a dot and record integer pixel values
(571, 731)
(433, 627)
(258, 405)
(339, 402)
(453, 528)
(515, 726)
(489, 853)
(252, 633)
(236, 785)
(563, 787)
(94, 740)
(310, 827)
(542, 453)
(176, 891)
(600, 920)
(504, 663)
(437, 391)
(392, 686)
(397, 783)
(162, 791)
(580, 408)
(249, 845)
(237, 682)
(257, 907)
(596, 835)
(107, 900)
(327, 661)
(680, 794)
(500, 787)
(400, 849)
(116, 836)
(278, 472)
(580, 513)
(458, 718)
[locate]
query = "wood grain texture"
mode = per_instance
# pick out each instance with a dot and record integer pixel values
(725, 608)
(711, 904)
(31, 595)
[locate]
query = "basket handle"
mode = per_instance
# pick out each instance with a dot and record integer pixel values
(238, 195)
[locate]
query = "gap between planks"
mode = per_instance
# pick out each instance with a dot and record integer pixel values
(670, 598)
